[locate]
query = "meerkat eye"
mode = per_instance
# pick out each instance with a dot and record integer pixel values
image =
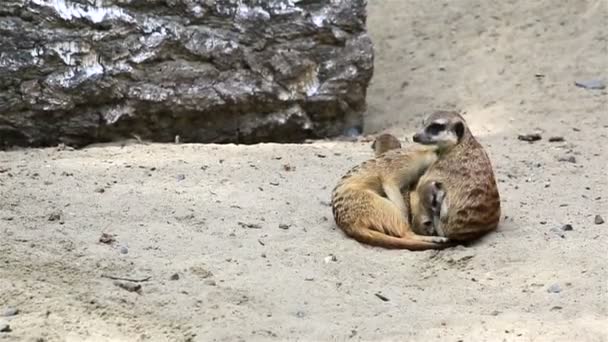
(435, 128)
(427, 223)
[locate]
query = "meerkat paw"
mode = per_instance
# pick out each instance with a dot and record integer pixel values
(435, 239)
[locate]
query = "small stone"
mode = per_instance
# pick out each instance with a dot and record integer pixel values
(274, 183)
(382, 297)
(4, 327)
(559, 232)
(569, 159)
(596, 84)
(320, 155)
(100, 190)
(209, 282)
(556, 308)
(9, 312)
(555, 288)
(107, 238)
(284, 226)
(124, 250)
(495, 313)
(529, 137)
(330, 258)
(598, 219)
(181, 177)
(288, 167)
(129, 286)
(556, 139)
(300, 314)
(174, 276)
(54, 217)
(567, 227)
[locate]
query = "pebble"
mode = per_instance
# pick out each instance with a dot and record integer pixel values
(382, 297)
(559, 232)
(598, 219)
(4, 327)
(567, 227)
(54, 217)
(174, 276)
(556, 139)
(125, 285)
(569, 159)
(284, 226)
(100, 190)
(9, 312)
(180, 177)
(330, 258)
(529, 137)
(555, 288)
(209, 282)
(124, 250)
(591, 84)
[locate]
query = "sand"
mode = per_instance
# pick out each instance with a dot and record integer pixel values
(237, 243)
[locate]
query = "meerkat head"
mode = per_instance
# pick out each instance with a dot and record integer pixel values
(428, 207)
(443, 128)
(385, 142)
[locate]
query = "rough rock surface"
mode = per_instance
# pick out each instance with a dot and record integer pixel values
(85, 71)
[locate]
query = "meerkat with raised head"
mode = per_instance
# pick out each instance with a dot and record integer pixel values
(470, 206)
(363, 213)
(431, 195)
(385, 142)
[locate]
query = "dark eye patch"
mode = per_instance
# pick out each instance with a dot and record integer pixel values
(435, 128)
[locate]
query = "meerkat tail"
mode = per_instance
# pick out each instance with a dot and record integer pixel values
(378, 239)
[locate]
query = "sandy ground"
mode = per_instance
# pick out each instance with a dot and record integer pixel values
(239, 242)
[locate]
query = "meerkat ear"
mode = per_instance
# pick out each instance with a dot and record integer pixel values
(459, 129)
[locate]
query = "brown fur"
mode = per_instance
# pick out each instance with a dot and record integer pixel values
(471, 207)
(362, 212)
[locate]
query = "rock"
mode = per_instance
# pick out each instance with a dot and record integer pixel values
(56, 216)
(174, 276)
(591, 84)
(556, 139)
(567, 227)
(80, 72)
(129, 286)
(4, 327)
(598, 219)
(555, 288)
(284, 226)
(529, 137)
(569, 159)
(8, 312)
(330, 258)
(124, 250)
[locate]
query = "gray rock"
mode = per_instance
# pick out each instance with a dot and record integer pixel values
(598, 219)
(7, 312)
(79, 72)
(555, 288)
(4, 327)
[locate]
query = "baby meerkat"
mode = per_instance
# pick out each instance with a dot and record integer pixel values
(470, 206)
(428, 202)
(363, 213)
(385, 142)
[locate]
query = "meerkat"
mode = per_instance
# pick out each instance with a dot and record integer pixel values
(363, 213)
(431, 195)
(428, 202)
(470, 203)
(384, 143)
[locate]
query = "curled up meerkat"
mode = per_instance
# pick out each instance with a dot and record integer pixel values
(431, 195)
(363, 213)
